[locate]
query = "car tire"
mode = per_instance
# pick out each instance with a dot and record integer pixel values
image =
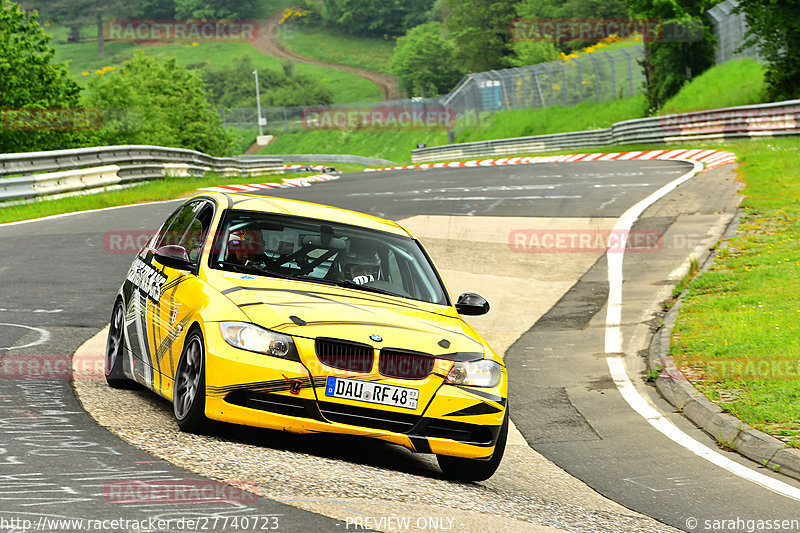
(115, 376)
(463, 469)
(189, 392)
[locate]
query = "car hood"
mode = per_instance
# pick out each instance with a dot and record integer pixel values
(311, 310)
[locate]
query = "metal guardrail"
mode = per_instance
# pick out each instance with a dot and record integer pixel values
(34, 174)
(774, 119)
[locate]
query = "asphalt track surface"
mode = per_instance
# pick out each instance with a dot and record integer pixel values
(56, 275)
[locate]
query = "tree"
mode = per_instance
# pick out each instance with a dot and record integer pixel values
(377, 17)
(215, 9)
(775, 28)
(233, 85)
(75, 14)
(569, 9)
(156, 101)
(423, 62)
(416, 13)
(438, 12)
(670, 64)
(156, 9)
(532, 53)
(29, 80)
(480, 31)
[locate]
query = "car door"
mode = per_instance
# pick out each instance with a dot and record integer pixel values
(141, 289)
(181, 294)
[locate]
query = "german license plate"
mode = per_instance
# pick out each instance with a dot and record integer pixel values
(368, 391)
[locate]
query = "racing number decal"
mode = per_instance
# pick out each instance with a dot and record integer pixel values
(147, 279)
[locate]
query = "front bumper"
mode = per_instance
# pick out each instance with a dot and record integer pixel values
(457, 421)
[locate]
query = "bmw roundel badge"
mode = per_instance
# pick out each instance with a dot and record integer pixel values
(376, 338)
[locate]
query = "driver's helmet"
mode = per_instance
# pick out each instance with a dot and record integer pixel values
(361, 265)
(245, 243)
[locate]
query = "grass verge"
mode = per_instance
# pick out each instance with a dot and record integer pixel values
(734, 83)
(584, 116)
(737, 337)
(84, 63)
(329, 46)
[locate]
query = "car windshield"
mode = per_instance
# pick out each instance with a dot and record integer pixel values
(325, 252)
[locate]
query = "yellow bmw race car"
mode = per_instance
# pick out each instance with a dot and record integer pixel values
(305, 318)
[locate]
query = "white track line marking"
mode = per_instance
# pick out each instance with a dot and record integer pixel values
(616, 364)
(44, 336)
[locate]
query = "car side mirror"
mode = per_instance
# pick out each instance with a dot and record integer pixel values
(470, 303)
(174, 256)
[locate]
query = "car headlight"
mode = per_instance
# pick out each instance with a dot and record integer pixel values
(483, 373)
(257, 339)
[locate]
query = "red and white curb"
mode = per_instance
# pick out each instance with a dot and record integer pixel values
(286, 183)
(709, 158)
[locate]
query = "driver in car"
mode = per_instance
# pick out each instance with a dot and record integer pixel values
(362, 274)
(362, 265)
(246, 247)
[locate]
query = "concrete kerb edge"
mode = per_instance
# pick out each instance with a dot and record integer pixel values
(729, 431)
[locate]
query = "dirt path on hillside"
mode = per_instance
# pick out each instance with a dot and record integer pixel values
(267, 43)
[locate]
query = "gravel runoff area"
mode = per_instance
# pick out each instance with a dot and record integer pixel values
(346, 478)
